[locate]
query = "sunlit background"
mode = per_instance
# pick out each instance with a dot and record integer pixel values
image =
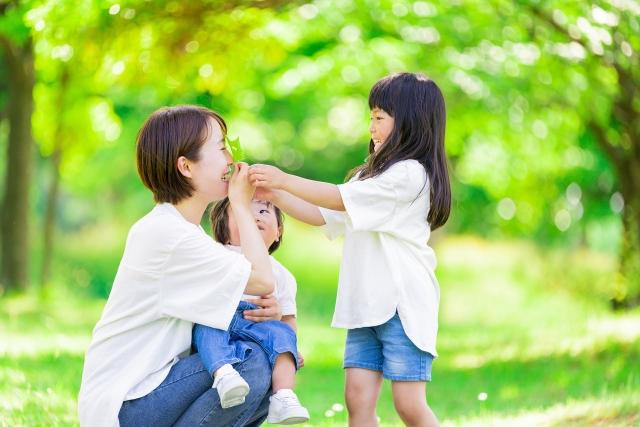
(539, 265)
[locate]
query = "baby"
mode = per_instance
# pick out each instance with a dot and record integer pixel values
(220, 349)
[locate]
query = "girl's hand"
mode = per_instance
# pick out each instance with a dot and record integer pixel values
(264, 194)
(269, 309)
(267, 176)
(240, 189)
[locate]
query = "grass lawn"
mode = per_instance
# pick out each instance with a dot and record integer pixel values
(526, 338)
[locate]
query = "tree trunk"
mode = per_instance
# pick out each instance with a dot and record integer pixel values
(49, 219)
(627, 292)
(54, 188)
(15, 215)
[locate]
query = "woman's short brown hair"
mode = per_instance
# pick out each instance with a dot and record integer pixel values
(219, 217)
(167, 134)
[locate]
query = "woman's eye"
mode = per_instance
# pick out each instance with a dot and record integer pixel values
(263, 211)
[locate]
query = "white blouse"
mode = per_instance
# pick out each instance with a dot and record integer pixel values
(172, 275)
(387, 264)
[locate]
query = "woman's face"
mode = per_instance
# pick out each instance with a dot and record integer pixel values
(380, 127)
(265, 215)
(209, 173)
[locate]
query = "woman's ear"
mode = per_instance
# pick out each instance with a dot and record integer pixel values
(183, 166)
(280, 230)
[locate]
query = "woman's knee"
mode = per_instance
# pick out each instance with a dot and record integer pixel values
(256, 369)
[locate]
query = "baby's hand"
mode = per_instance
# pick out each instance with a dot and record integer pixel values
(267, 176)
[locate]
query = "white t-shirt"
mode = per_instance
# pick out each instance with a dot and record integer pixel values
(286, 286)
(387, 263)
(172, 275)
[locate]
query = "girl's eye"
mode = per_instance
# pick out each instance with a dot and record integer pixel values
(263, 211)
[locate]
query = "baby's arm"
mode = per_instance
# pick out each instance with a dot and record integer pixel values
(317, 193)
(290, 320)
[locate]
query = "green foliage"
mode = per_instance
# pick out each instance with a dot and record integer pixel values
(519, 99)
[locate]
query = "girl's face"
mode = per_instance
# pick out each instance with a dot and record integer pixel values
(266, 220)
(380, 128)
(208, 173)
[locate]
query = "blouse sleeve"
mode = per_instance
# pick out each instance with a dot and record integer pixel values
(334, 223)
(372, 203)
(203, 281)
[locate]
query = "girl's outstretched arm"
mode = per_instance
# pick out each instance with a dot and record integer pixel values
(296, 207)
(315, 192)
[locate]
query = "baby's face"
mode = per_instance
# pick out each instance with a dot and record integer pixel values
(264, 214)
(266, 220)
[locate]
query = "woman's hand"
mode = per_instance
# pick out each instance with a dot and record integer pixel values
(267, 176)
(300, 360)
(269, 309)
(240, 189)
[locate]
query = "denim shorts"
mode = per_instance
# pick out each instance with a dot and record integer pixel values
(388, 349)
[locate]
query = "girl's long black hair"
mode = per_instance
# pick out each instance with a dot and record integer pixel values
(417, 106)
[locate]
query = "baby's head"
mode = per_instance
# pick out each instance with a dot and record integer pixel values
(268, 217)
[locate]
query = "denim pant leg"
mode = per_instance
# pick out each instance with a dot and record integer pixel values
(275, 337)
(185, 397)
(215, 347)
(206, 410)
(187, 381)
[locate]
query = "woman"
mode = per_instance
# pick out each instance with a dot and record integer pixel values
(138, 370)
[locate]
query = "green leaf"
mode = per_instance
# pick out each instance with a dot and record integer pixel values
(234, 147)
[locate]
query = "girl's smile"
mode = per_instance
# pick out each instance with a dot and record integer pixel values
(380, 127)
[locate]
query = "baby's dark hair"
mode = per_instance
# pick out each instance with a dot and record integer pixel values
(417, 106)
(219, 217)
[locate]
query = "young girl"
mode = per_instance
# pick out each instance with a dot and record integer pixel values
(219, 349)
(388, 294)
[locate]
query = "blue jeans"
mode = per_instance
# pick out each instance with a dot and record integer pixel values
(185, 397)
(217, 347)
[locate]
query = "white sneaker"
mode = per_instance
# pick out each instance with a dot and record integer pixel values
(232, 388)
(285, 408)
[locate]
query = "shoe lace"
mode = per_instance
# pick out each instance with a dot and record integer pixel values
(289, 400)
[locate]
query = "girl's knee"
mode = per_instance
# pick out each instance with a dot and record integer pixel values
(360, 401)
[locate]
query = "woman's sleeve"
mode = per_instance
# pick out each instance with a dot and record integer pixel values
(203, 281)
(371, 204)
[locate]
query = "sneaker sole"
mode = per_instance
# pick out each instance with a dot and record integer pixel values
(288, 421)
(234, 397)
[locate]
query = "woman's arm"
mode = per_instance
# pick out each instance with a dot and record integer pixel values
(315, 192)
(269, 309)
(261, 280)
